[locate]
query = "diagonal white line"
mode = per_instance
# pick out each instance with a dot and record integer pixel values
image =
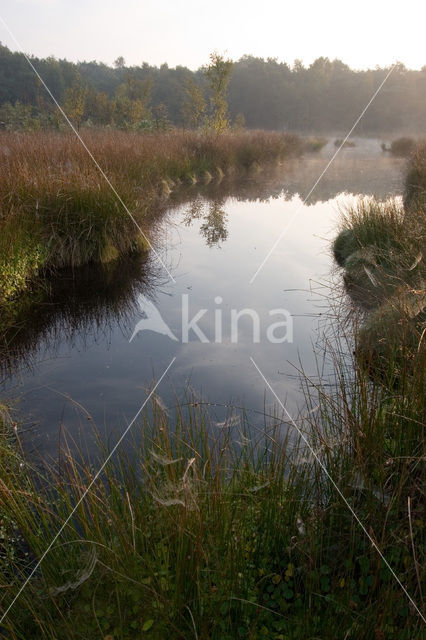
(314, 453)
(101, 171)
(299, 207)
(92, 482)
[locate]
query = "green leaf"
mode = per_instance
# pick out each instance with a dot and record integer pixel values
(147, 625)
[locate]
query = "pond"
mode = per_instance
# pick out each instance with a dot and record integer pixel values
(81, 358)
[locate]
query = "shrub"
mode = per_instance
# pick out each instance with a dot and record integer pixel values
(404, 146)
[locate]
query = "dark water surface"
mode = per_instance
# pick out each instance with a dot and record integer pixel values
(73, 354)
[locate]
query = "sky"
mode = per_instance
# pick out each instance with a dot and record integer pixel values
(363, 33)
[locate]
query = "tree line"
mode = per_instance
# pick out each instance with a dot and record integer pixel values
(326, 96)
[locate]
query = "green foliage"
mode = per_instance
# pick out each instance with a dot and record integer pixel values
(194, 104)
(25, 117)
(218, 75)
(326, 96)
(74, 102)
(22, 256)
(161, 120)
(98, 108)
(384, 242)
(130, 105)
(18, 270)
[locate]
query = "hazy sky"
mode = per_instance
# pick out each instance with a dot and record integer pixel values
(362, 33)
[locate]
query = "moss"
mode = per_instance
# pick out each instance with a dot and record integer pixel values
(18, 270)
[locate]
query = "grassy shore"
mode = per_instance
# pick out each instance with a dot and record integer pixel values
(218, 532)
(58, 210)
(381, 249)
(200, 530)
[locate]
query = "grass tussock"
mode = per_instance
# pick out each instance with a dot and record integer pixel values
(381, 248)
(67, 214)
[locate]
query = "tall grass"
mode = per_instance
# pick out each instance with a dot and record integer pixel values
(415, 186)
(381, 249)
(67, 214)
(179, 535)
(219, 530)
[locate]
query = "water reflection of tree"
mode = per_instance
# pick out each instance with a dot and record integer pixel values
(214, 219)
(362, 171)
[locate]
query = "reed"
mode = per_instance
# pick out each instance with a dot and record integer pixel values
(58, 210)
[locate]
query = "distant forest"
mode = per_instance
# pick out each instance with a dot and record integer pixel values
(325, 97)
